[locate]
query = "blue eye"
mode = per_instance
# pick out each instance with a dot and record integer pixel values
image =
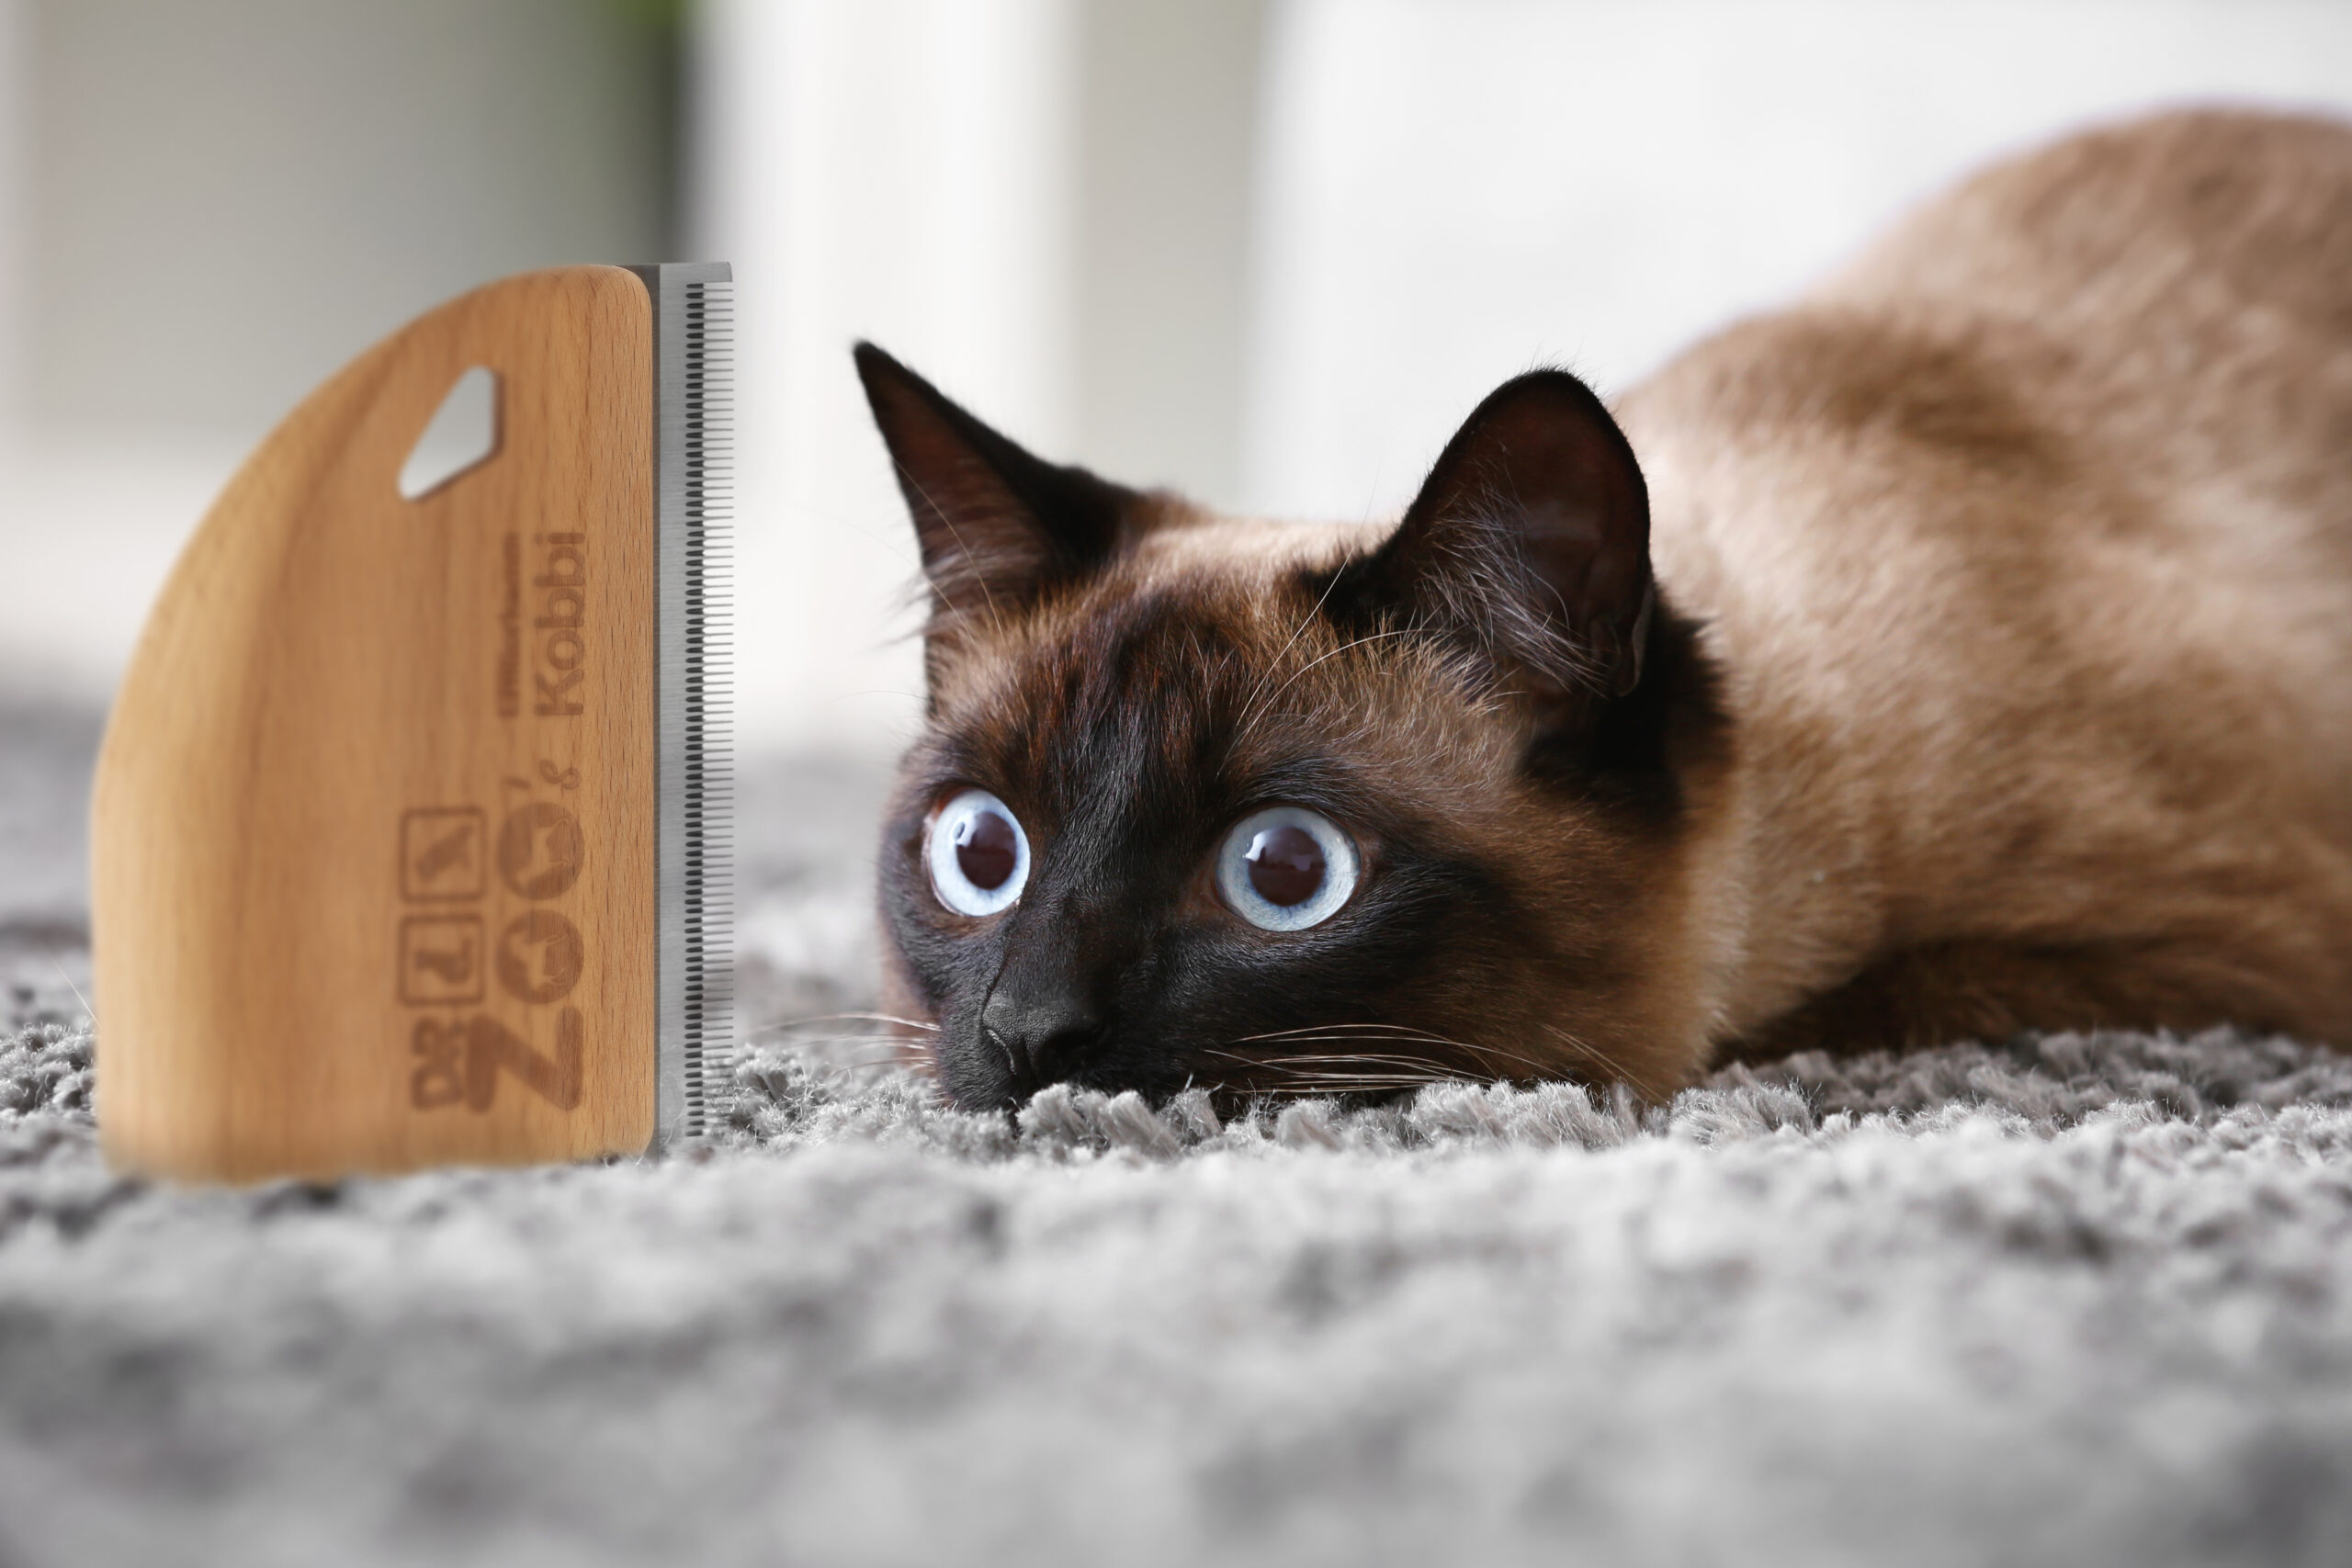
(977, 854)
(1286, 868)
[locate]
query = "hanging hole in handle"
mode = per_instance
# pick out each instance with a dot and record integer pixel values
(462, 434)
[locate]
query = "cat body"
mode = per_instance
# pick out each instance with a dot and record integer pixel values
(2025, 549)
(1962, 650)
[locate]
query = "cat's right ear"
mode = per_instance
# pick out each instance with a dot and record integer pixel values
(997, 526)
(1529, 543)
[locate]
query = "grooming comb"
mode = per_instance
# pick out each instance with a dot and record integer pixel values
(409, 835)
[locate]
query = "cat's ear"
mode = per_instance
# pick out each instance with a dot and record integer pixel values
(1530, 542)
(995, 525)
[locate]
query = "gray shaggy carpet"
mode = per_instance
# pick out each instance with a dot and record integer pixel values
(2074, 1299)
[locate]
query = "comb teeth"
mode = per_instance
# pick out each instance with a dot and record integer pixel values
(711, 776)
(693, 405)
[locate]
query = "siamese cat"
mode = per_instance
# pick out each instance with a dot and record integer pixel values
(1963, 650)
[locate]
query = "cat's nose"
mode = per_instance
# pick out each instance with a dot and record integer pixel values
(1045, 1039)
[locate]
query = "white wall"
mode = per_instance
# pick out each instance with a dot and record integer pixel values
(1048, 206)
(1019, 197)
(900, 170)
(1171, 97)
(212, 206)
(14, 115)
(1042, 205)
(1455, 190)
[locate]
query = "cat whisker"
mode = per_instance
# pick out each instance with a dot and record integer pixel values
(1338, 1086)
(1400, 1059)
(1395, 1031)
(1336, 1074)
(1340, 1082)
(1408, 1032)
(1328, 1091)
(1592, 1053)
(779, 1025)
(996, 621)
(1300, 673)
(1315, 1056)
(1250, 703)
(1288, 1033)
(1337, 1082)
(877, 1045)
(1484, 1054)
(1391, 1031)
(1324, 1063)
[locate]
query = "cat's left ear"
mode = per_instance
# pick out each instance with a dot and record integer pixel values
(1529, 541)
(997, 526)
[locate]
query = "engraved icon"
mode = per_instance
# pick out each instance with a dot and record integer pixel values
(444, 853)
(540, 956)
(541, 848)
(460, 1060)
(441, 959)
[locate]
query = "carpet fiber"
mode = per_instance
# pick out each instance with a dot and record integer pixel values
(2073, 1299)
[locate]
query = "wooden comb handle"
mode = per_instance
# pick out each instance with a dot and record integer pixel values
(372, 835)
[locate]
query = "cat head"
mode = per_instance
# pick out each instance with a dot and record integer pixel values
(1268, 808)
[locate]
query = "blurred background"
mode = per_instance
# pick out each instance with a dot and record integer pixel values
(1267, 251)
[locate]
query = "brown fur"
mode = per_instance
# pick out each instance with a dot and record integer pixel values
(2027, 544)
(2006, 588)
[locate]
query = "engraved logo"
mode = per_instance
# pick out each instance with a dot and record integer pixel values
(459, 1062)
(446, 955)
(443, 853)
(441, 959)
(540, 956)
(541, 848)
(562, 586)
